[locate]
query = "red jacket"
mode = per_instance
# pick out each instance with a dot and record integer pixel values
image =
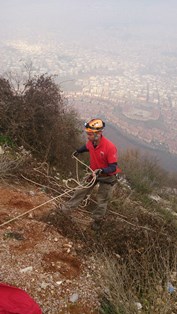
(16, 301)
(103, 154)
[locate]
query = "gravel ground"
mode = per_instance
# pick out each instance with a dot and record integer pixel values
(38, 259)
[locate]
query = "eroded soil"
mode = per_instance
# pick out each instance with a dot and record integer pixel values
(38, 258)
(51, 256)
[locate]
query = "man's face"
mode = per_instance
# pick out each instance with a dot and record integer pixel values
(93, 136)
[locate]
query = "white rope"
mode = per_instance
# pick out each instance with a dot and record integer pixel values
(79, 186)
(91, 177)
(32, 209)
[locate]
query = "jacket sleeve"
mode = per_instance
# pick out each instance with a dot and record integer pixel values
(82, 149)
(111, 168)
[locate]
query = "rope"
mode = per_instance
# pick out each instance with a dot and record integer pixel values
(92, 177)
(42, 185)
(32, 209)
(124, 220)
(79, 186)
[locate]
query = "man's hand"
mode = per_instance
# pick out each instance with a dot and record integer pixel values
(75, 153)
(97, 172)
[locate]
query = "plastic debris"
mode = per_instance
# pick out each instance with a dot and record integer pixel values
(170, 287)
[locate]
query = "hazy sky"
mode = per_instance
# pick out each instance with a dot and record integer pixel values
(140, 34)
(78, 16)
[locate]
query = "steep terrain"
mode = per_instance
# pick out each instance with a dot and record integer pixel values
(36, 257)
(55, 258)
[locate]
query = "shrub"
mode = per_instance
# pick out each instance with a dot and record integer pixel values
(39, 119)
(5, 140)
(12, 161)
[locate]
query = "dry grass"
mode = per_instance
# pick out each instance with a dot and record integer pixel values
(138, 257)
(126, 283)
(12, 161)
(143, 172)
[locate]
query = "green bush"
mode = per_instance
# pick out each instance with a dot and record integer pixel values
(6, 140)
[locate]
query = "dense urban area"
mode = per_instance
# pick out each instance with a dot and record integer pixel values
(129, 89)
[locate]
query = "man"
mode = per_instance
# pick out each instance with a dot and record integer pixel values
(103, 161)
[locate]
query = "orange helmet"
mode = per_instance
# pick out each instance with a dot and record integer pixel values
(94, 125)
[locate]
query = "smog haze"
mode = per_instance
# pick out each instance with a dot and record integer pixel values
(114, 59)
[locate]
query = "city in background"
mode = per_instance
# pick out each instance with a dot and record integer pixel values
(115, 60)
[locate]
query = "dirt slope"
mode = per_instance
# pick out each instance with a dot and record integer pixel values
(37, 256)
(53, 257)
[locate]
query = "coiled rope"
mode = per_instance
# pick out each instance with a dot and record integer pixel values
(89, 179)
(79, 185)
(87, 184)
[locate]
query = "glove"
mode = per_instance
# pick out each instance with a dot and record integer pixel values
(75, 154)
(98, 172)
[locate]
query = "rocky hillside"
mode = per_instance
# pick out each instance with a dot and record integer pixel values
(129, 266)
(67, 268)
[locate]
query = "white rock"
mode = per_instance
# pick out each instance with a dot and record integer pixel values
(1, 151)
(44, 285)
(26, 269)
(74, 297)
(59, 282)
(32, 193)
(138, 305)
(156, 198)
(67, 245)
